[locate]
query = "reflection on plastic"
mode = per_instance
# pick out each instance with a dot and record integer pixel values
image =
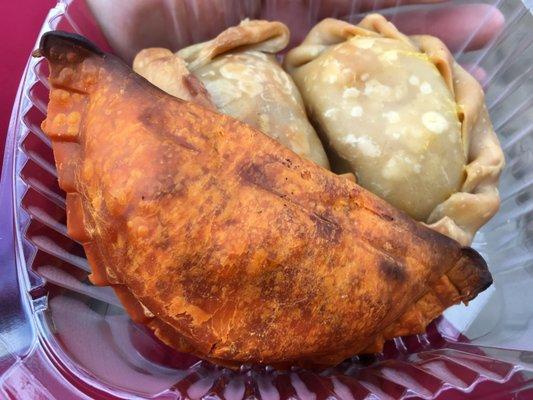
(80, 344)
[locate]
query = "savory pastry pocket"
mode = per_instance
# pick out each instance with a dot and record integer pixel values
(224, 242)
(240, 71)
(407, 119)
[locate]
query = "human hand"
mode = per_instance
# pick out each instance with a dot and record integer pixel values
(462, 27)
(136, 24)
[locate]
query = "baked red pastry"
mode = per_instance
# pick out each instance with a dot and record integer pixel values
(225, 243)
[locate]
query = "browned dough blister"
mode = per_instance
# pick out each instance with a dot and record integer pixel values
(226, 244)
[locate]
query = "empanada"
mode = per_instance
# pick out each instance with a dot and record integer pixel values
(224, 242)
(405, 118)
(240, 71)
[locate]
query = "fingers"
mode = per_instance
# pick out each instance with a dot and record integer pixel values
(301, 15)
(136, 24)
(339, 8)
(461, 27)
(295, 14)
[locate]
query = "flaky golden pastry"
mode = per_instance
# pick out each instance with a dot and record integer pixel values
(405, 117)
(225, 243)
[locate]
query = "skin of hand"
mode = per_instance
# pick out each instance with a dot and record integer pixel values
(136, 24)
(454, 24)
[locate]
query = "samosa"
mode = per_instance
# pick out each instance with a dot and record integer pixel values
(225, 243)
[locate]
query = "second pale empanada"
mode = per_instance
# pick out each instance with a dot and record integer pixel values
(401, 114)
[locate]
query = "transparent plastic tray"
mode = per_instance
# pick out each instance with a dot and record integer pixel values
(62, 338)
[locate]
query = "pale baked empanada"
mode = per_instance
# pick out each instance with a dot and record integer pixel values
(240, 71)
(407, 119)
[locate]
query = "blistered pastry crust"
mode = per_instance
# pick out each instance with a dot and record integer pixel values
(226, 244)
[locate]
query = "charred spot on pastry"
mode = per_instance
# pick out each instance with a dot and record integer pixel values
(305, 174)
(254, 173)
(65, 46)
(287, 162)
(486, 284)
(156, 122)
(386, 216)
(197, 90)
(326, 228)
(153, 119)
(392, 270)
(184, 143)
(230, 221)
(251, 172)
(479, 275)
(475, 257)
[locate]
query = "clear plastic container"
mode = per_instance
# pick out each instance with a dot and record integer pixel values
(62, 338)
